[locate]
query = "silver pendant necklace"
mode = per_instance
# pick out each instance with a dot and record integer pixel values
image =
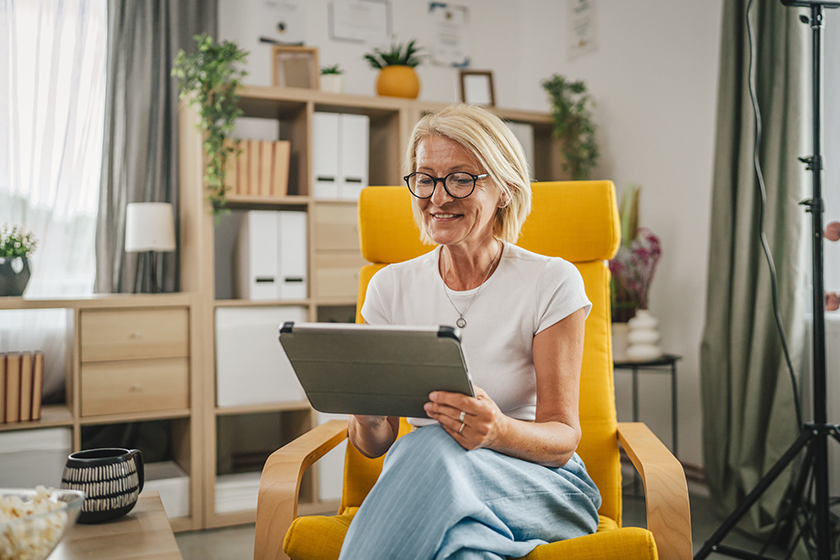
(461, 322)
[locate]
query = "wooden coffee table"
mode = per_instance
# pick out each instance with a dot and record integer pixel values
(143, 534)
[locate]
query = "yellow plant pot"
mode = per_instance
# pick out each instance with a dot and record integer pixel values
(398, 81)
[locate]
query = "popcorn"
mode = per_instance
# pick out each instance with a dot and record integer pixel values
(36, 538)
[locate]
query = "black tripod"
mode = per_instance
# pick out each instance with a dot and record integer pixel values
(814, 436)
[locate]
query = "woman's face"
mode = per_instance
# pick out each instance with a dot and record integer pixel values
(467, 222)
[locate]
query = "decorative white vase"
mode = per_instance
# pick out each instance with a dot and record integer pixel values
(643, 337)
(619, 341)
(332, 83)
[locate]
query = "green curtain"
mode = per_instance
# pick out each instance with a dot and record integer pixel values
(747, 397)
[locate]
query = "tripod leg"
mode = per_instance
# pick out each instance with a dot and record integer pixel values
(765, 482)
(796, 493)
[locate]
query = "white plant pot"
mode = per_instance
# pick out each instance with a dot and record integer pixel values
(332, 83)
(643, 337)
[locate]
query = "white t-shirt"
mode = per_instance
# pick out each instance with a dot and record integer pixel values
(526, 294)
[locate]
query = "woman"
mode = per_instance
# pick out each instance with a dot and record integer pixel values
(495, 475)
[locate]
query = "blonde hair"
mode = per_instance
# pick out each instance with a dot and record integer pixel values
(484, 136)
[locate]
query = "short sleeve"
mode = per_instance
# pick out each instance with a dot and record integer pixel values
(379, 291)
(560, 292)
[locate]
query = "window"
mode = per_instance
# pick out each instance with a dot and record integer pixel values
(52, 107)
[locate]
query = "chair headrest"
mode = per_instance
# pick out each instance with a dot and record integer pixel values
(575, 220)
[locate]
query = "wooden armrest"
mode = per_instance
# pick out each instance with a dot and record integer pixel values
(666, 492)
(280, 485)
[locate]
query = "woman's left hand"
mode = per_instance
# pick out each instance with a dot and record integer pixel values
(473, 422)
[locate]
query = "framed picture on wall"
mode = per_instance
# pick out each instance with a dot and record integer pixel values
(477, 87)
(295, 67)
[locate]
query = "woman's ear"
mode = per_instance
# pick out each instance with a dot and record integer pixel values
(504, 200)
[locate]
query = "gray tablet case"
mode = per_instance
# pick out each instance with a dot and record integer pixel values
(383, 371)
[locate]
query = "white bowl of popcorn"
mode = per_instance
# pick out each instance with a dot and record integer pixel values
(33, 521)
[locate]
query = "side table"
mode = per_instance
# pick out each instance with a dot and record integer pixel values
(662, 364)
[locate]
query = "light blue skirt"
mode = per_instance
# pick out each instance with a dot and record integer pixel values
(436, 500)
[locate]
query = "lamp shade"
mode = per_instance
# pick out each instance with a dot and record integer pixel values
(149, 226)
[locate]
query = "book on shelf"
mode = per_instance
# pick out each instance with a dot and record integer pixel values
(253, 186)
(2, 388)
(280, 168)
(12, 387)
(266, 160)
(25, 387)
(37, 384)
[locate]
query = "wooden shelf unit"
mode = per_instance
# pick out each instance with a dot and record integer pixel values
(333, 255)
(187, 422)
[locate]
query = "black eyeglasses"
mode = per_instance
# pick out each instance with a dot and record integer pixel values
(459, 184)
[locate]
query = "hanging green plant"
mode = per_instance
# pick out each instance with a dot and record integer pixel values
(571, 109)
(213, 74)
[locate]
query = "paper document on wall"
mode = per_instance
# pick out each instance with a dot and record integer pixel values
(450, 34)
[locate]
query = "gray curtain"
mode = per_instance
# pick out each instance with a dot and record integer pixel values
(747, 396)
(140, 147)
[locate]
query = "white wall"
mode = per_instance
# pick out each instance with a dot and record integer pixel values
(654, 77)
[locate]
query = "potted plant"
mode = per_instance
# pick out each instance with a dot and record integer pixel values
(15, 248)
(332, 79)
(210, 77)
(573, 125)
(397, 77)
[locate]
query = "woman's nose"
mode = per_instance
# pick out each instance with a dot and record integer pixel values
(440, 196)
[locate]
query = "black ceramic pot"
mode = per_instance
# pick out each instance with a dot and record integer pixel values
(111, 479)
(14, 275)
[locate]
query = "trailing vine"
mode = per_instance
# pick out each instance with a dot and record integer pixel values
(573, 125)
(210, 78)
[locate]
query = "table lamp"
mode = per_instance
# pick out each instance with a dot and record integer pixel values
(149, 226)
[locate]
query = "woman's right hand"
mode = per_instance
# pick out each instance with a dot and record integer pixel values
(373, 435)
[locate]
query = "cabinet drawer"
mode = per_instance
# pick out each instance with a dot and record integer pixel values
(134, 333)
(336, 227)
(134, 386)
(337, 274)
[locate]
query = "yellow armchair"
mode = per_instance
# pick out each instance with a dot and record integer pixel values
(574, 220)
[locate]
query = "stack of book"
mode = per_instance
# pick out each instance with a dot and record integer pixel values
(21, 386)
(259, 169)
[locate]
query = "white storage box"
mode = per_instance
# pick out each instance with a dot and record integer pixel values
(251, 367)
(237, 492)
(32, 457)
(173, 485)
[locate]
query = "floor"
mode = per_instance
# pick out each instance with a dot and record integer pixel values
(237, 543)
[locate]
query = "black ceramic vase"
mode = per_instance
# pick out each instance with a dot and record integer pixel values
(14, 275)
(111, 478)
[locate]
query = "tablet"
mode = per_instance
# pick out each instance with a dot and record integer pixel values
(376, 370)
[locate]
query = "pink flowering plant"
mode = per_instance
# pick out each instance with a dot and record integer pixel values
(633, 266)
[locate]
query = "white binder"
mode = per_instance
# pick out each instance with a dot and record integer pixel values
(292, 255)
(257, 253)
(325, 156)
(353, 155)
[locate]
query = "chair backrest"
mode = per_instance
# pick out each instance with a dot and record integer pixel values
(577, 221)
